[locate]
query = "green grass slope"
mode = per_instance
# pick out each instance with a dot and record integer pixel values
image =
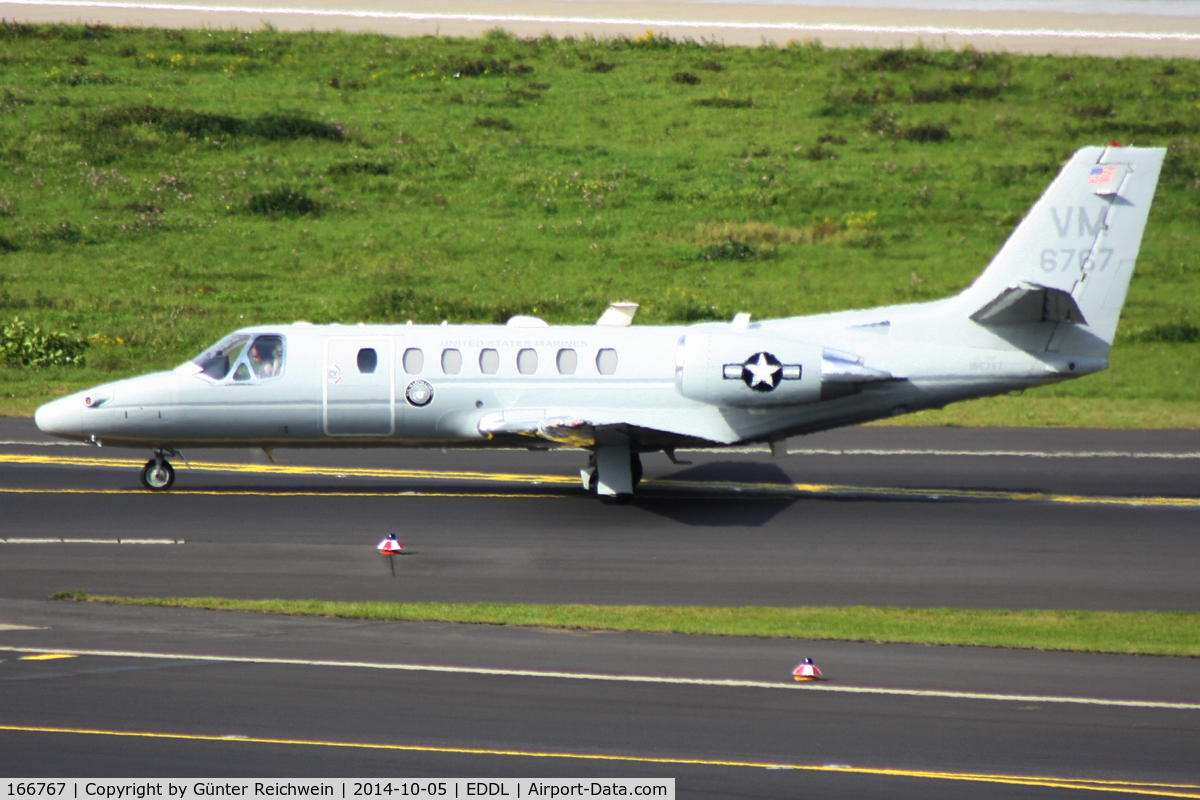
(159, 188)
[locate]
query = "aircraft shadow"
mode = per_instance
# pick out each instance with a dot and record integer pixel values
(727, 510)
(732, 472)
(713, 512)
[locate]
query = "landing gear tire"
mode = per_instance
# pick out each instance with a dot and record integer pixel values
(158, 476)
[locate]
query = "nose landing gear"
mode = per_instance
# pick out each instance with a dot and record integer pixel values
(158, 475)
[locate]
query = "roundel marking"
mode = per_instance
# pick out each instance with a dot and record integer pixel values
(419, 393)
(762, 372)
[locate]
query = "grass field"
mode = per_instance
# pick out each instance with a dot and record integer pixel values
(159, 188)
(1134, 632)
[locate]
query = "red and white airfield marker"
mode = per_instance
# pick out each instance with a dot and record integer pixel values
(806, 670)
(389, 546)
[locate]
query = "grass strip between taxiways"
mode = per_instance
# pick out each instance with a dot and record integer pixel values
(1164, 633)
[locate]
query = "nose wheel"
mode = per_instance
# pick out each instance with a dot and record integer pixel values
(158, 475)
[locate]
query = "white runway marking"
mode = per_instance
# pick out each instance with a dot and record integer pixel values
(921, 30)
(588, 676)
(49, 540)
(44, 444)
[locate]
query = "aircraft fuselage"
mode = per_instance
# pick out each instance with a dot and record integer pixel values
(431, 386)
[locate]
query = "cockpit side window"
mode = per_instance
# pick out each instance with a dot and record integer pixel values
(266, 357)
(216, 361)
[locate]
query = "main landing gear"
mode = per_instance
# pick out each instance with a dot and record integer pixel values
(158, 475)
(613, 471)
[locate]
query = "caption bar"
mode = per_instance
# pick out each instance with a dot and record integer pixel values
(385, 789)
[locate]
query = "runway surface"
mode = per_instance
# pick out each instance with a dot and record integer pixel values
(165, 708)
(1008, 531)
(1128, 28)
(924, 517)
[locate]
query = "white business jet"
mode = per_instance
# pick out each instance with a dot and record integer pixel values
(1044, 310)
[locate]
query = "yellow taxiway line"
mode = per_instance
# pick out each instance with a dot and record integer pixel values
(652, 487)
(47, 656)
(287, 493)
(1085, 784)
(288, 469)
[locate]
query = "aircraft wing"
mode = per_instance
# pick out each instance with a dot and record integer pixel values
(595, 427)
(571, 431)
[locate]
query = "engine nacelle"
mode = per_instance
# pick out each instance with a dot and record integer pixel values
(747, 369)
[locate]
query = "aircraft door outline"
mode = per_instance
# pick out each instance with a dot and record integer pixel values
(358, 394)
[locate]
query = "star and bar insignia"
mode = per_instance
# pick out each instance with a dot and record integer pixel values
(762, 372)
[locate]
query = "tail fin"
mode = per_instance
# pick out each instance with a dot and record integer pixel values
(1070, 259)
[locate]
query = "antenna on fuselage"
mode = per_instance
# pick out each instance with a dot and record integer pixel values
(618, 314)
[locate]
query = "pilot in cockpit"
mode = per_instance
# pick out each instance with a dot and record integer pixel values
(265, 357)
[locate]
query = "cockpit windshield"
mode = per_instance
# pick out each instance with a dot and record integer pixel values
(261, 360)
(216, 361)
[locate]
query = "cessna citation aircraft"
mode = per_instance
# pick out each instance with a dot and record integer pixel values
(1044, 310)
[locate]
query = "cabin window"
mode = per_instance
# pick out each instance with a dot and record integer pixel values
(216, 361)
(266, 357)
(567, 361)
(414, 361)
(368, 360)
(242, 373)
(489, 361)
(451, 361)
(527, 361)
(606, 361)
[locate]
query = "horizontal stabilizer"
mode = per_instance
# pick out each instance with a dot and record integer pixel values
(1030, 302)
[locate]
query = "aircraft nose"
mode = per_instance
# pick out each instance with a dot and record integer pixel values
(62, 417)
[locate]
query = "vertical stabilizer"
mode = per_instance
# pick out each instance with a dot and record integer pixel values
(1070, 259)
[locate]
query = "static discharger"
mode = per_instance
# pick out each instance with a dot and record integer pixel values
(388, 548)
(806, 670)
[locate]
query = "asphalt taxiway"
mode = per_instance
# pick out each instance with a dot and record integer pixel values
(186, 693)
(930, 527)
(974, 518)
